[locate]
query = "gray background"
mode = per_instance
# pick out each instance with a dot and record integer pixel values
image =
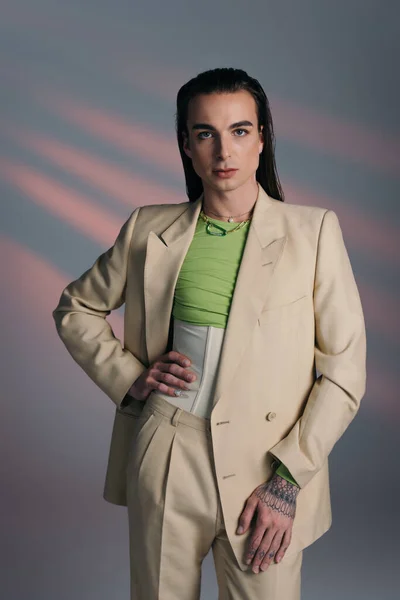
(87, 134)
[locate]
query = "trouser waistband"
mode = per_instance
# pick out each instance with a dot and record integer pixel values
(175, 414)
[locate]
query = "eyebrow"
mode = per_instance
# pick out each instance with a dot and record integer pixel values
(233, 126)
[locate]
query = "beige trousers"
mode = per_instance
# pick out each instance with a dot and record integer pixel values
(175, 515)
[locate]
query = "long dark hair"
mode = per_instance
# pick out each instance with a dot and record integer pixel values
(228, 80)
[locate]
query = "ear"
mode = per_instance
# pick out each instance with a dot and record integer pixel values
(186, 145)
(261, 142)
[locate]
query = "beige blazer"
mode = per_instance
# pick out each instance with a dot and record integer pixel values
(293, 363)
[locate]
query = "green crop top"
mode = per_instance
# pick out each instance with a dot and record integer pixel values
(207, 278)
(204, 289)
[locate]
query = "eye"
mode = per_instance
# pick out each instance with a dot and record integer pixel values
(202, 133)
(245, 130)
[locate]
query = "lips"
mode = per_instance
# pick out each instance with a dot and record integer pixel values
(224, 170)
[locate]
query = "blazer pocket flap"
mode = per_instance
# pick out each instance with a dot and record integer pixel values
(274, 305)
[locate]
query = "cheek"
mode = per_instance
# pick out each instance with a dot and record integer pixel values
(250, 152)
(200, 155)
(198, 161)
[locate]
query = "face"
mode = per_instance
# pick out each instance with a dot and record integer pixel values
(223, 134)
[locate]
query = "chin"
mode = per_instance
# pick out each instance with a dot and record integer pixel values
(226, 186)
(230, 184)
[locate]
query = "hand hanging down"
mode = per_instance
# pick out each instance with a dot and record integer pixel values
(274, 504)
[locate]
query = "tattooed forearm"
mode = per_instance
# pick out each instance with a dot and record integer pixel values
(280, 495)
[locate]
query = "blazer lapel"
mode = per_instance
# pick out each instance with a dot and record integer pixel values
(165, 254)
(264, 245)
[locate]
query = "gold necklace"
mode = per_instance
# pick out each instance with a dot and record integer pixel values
(230, 219)
(224, 231)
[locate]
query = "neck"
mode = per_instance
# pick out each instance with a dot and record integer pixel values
(238, 203)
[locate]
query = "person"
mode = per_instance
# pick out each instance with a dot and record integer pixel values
(243, 359)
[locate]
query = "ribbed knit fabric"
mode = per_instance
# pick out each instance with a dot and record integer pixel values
(207, 278)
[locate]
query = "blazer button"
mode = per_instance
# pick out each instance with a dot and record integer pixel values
(270, 416)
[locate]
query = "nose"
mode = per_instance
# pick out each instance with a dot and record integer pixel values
(223, 149)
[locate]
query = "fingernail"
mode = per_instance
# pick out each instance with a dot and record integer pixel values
(186, 362)
(255, 569)
(239, 529)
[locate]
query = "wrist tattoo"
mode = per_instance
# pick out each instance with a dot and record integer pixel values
(280, 495)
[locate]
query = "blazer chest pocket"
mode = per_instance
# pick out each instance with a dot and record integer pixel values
(284, 309)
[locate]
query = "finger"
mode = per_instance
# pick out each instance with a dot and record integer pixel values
(171, 381)
(253, 545)
(164, 381)
(178, 371)
(181, 375)
(178, 357)
(263, 549)
(169, 391)
(272, 550)
(284, 545)
(247, 515)
(151, 383)
(263, 523)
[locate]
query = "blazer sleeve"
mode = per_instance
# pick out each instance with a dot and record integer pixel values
(80, 319)
(340, 359)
